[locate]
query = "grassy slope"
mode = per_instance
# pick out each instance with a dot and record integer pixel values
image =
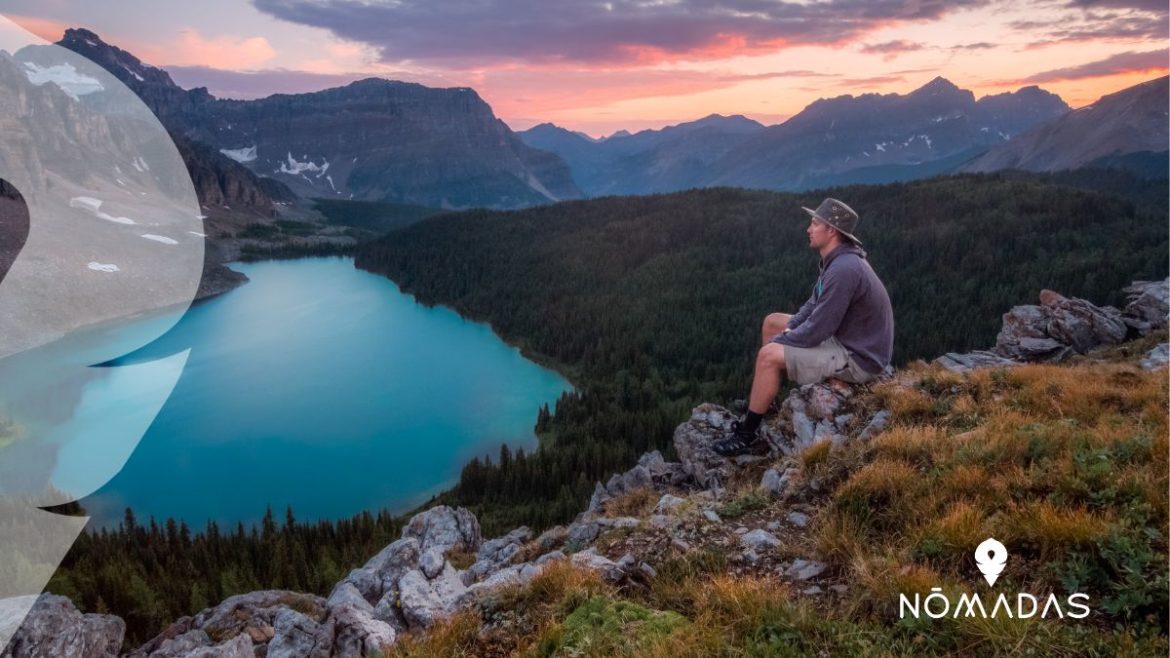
(1067, 465)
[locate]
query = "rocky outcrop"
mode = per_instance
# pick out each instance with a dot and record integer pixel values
(1060, 327)
(54, 627)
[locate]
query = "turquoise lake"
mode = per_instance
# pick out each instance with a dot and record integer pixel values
(314, 385)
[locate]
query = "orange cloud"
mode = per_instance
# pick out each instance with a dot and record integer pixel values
(193, 49)
(45, 28)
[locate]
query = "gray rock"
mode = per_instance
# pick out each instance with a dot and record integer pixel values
(388, 566)
(618, 522)
(425, 600)
(444, 528)
(637, 477)
(961, 363)
(182, 644)
(344, 593)
(431, 561)
(774, 483)
(297, 636)
(609, 570)
(877, 425)
(1057, 328)
(759, 539)
(668, 504)
(1148, 305)
(680, 545)
(798, 519)
(598, 499)
(1157, 358)
(648, 570)
(812, 591)
(581, 534)
(772, 526)
(805, 569)
(356, 633)
(552, 538)
(54, 627)
(662, 521)
(693, 439)
(549, 557)
(712, 516)
(252, 614)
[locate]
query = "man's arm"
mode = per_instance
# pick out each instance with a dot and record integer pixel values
(802, 314)
(825, 317)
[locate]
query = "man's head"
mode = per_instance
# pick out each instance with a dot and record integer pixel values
(831, 224)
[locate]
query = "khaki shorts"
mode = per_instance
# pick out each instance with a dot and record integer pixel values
(809, 365)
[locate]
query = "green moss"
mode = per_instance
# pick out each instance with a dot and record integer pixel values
(609, 627)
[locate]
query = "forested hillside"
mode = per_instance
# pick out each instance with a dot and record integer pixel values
(653, 304)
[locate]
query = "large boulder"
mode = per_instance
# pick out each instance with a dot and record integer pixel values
(444, 528)
(54, 627)
(1148, 305)
(252, 615)
(1057, 328)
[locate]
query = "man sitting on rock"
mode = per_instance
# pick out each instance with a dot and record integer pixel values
(845, 330)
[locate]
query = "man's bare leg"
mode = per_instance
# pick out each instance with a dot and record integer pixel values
(774, 323)
(766, 379)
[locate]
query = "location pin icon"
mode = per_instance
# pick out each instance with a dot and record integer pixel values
(990, 557)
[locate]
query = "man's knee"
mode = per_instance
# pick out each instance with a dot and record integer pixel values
(770, 355)
(774, 323)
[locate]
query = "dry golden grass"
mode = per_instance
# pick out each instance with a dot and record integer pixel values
(816, 453)
(638, 502)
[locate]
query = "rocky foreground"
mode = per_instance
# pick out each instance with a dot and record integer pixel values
(633, 524)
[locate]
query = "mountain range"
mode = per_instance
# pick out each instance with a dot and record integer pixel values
(846, 139)
(385, 140)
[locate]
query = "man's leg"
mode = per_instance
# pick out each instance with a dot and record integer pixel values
(774, 323)
(766, 379)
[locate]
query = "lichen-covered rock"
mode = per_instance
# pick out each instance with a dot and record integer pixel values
(54, 627)
(252, 614)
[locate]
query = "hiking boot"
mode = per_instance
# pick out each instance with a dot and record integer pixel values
(739, 442)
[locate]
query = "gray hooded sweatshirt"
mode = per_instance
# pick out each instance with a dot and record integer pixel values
(848, 301)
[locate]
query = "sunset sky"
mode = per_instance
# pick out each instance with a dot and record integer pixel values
(631, 64)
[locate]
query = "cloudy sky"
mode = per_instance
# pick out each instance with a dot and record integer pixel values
(631, 64)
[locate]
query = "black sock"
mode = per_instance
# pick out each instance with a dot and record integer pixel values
(751, 421)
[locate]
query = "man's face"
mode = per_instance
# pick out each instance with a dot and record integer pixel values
(819, 234)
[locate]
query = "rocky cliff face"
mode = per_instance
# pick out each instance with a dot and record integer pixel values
(224, 187)
(634, 524)
(372, 140)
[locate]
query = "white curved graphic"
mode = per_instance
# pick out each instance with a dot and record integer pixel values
(114, 231)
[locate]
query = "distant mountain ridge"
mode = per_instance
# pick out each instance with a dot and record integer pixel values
(868, 138)
(1131, 122)
(374, 139)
